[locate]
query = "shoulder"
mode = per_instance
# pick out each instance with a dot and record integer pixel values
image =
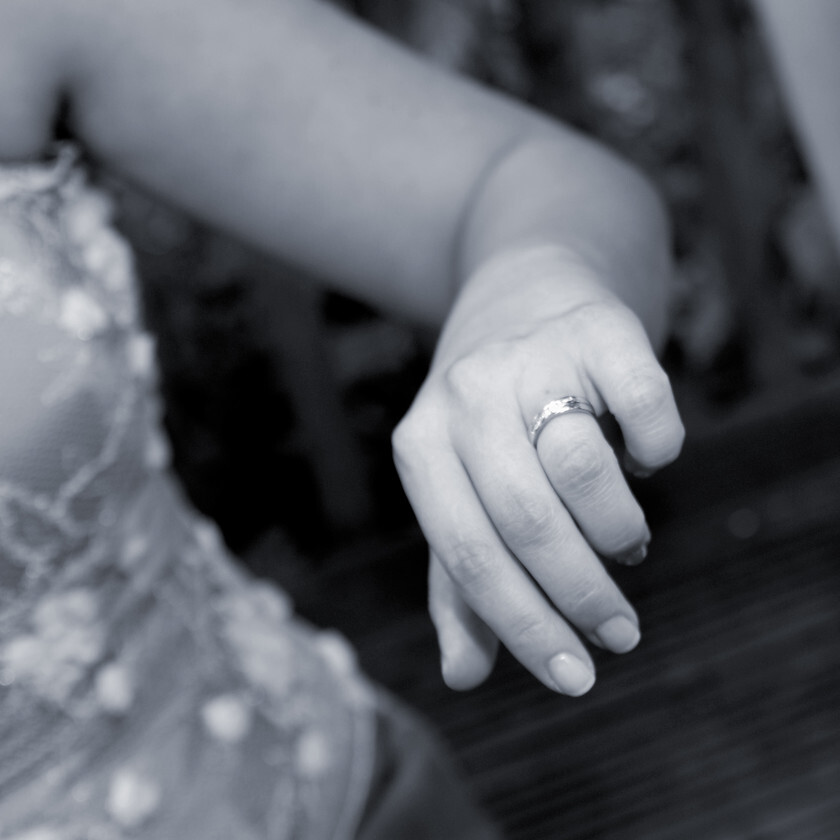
(34, 54)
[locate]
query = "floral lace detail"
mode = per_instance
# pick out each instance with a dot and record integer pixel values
(149, 688)
(61, 265)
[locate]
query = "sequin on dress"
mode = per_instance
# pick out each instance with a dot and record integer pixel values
(149, 688)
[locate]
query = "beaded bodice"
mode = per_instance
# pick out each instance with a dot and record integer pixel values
(148, 687)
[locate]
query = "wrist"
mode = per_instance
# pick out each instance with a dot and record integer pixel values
(517, 288)
(556, 190)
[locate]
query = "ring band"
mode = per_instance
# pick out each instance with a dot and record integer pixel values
(555, 408)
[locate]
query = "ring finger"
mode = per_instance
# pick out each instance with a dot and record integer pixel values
(584, 471)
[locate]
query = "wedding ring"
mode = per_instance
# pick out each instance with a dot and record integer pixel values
(555, 408)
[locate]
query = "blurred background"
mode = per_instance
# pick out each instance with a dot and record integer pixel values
(280, 399)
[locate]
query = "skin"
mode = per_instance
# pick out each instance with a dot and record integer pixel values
(543, 256)
(802, 41)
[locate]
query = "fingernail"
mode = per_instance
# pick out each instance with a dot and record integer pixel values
(635, 468)
(618, 634)
(571, 675)
(634, 557)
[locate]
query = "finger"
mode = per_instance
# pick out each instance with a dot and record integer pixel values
(584, 471)
(468, 646)
(541, 533)
(490, 580)
(638, 393)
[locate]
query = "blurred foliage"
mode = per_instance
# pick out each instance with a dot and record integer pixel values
(681, 87)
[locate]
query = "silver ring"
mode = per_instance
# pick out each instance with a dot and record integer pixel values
(562, 405)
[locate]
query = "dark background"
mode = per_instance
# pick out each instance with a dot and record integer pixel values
(280, 399)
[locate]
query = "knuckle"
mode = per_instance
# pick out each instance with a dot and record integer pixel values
(588, 599)
(645, 393)
(579, 465)
(405, 447)
(462, 376)
(468, 376)
(527, 519)
(416, 436)
(472, 565)
(528, 630)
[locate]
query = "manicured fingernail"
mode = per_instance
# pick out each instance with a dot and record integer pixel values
(571, 675)
(618, 634)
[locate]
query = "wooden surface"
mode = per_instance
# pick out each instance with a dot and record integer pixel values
(725, 723)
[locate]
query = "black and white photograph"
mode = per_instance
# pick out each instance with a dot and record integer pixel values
(420, 420)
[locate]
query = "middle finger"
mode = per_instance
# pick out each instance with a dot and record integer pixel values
(541, 533)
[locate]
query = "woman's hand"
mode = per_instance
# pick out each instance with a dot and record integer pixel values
(517, 532)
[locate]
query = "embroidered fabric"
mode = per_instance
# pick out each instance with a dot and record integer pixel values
(149, 688)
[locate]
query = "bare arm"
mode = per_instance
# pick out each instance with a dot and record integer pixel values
(315, 138)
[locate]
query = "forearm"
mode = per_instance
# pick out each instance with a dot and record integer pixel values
(352, 157)
(323, 142)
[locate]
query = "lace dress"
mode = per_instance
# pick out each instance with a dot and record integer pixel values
(148, 687)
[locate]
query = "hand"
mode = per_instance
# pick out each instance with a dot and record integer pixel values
(517, 533)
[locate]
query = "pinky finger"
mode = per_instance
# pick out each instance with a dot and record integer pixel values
(467, 645)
